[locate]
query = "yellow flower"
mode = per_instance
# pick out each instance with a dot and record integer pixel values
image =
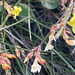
(72, 23)
(16, 11)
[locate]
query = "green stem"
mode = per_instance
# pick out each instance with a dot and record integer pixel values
(2, 36)
(40, 23)
(64, 60)
(13, 24)
(64, 22)
(37, 25)
(18, 2)
(31, 32)
(2, 33)
(39, 28)
(5, 20)
(12, 46)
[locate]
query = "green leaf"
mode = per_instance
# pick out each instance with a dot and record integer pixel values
(49, 4)
(1, 7)
(24, 11)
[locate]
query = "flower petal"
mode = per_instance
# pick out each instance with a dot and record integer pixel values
(15, 7)
(73, 19)
(51, 38)
(70, 23)
(73, 29)
(70, 42)
(35, 67)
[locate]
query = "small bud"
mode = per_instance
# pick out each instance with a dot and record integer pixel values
(30, 54)
(6, 67)
(10, 56)
(22, 51)
(1, 60)
(41, 61)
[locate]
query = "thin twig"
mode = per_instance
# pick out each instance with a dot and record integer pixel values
(29, 20)
(15, 38)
